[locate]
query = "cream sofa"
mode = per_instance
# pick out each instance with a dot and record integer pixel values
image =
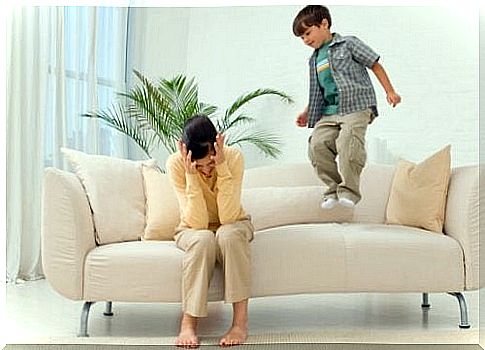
(298, 247)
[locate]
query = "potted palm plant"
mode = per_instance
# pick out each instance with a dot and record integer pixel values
(153, 115)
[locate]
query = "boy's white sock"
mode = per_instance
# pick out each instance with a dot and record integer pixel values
(345, 202)
(328, 203)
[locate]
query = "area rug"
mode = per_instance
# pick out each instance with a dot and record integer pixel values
(289, 346)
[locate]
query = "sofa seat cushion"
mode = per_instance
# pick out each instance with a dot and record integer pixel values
(293, 259)
(353, 257)
(139, 271)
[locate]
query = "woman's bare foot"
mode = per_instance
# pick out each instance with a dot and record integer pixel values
(239, 330)
(187, 337)
(235, 336)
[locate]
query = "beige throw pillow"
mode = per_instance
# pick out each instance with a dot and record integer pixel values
(162, 208)
(418, 192)
(114, 188)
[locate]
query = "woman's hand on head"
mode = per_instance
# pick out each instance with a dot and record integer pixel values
(190, 166)
(218, 157)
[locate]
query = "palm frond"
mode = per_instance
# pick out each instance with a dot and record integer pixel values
(158, 110)
(121, 120)
(207, 109)
(242, 100)
(182, 97)
(181, 94)
(266, 142)
(226, 124)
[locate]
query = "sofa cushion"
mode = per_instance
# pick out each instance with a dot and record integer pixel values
(375, 186)
(162, 208)
(276, 206)
(376, 182)
(418, 192)
(114, 188)
(354, 258)
(139, 271)
(293, 259)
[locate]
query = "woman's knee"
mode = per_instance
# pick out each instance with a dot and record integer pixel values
(202, 241)
(232, 234)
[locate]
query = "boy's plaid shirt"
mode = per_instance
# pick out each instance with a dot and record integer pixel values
(348, 57)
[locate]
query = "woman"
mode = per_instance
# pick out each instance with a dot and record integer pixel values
(207, 177)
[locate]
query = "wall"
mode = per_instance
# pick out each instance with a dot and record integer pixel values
(157, 48)
(430, 54)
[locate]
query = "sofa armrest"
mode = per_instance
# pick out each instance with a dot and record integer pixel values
(462, 218)
(67, 232)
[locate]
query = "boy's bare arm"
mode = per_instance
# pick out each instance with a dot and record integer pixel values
(392, 97)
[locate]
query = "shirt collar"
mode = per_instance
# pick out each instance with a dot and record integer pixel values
(337, 38)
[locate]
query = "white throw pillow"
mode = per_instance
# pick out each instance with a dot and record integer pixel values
(276, 206)
(114, 188)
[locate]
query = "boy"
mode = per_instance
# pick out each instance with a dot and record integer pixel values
(207, 177)
(342, 103)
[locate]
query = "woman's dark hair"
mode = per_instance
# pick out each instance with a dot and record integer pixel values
(199, 136)
(311, 15)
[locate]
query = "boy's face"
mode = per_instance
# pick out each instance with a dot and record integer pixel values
(314, 36)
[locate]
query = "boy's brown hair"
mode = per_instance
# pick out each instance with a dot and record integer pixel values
(311, 15)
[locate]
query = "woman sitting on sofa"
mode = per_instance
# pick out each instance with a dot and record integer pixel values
(207, 178)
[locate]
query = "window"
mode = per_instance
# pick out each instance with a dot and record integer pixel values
(87, 65)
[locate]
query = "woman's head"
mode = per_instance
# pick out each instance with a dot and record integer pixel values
(199, 136)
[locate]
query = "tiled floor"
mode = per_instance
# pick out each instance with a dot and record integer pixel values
(37, 314)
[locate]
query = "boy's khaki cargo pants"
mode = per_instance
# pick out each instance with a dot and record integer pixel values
(343, 136)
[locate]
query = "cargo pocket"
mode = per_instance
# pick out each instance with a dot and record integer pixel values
(358, 155)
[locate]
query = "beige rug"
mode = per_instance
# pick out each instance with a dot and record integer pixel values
(354, 340)
(445, 336)
(296, 346)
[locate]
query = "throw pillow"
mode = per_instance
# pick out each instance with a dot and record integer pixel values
(418, 192)
(162, 208)
(114, 188)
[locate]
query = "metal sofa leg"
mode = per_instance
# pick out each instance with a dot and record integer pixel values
(463, 309)
(83, 330)
(108, 311)
(425, 303)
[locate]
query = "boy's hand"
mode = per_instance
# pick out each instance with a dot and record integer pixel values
(302, 119)
(393, 99)
(190, 166)
(218, 158)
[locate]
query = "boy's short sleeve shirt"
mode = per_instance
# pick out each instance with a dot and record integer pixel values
(361, 52)
(349, 59)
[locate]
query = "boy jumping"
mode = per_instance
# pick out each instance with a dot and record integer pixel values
(342, 102)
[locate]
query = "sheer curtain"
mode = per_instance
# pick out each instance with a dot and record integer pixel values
(61, 62)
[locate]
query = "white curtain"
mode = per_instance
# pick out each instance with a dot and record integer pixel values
(61, 62)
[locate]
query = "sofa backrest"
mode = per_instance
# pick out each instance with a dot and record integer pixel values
(291, 193)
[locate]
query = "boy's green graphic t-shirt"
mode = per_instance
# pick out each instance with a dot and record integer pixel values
(325, 79)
